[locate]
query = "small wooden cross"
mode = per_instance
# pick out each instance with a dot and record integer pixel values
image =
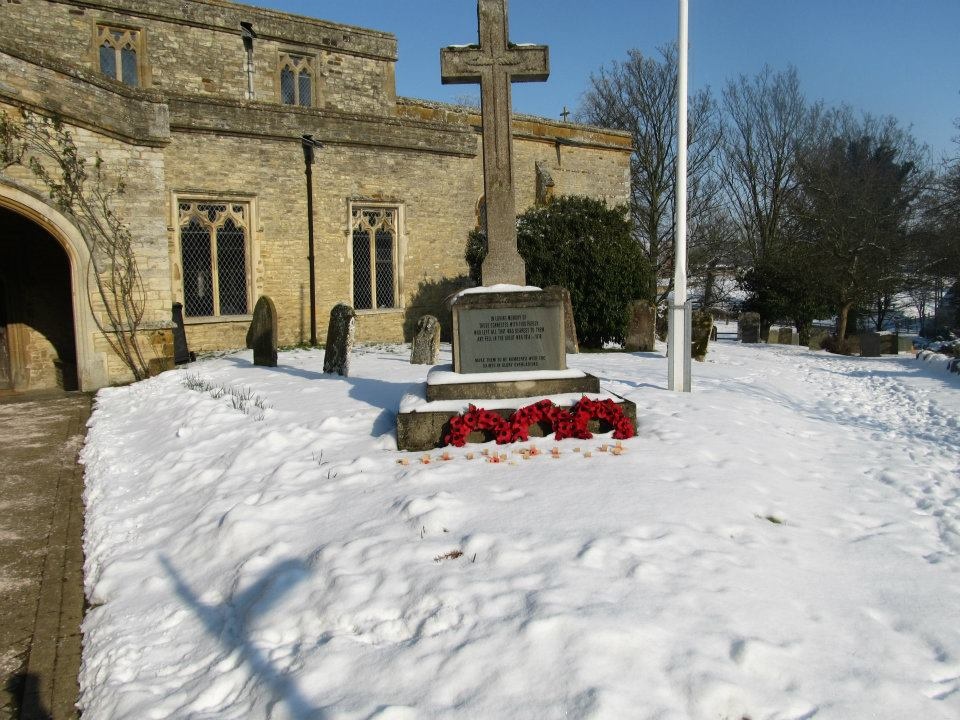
(565, 113)
(495, 62)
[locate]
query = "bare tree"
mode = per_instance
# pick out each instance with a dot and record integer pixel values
(766, 121)
(640, 95)
(47, 148)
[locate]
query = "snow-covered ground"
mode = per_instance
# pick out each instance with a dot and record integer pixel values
(781, 543)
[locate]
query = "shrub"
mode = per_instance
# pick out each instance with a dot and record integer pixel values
(581, 244)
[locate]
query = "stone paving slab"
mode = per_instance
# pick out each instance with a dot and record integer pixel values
(41, 557)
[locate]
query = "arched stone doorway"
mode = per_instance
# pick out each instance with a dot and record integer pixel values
(37, 307)
(91, 366)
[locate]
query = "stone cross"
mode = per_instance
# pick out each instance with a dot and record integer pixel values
(495, 63)
(565, 114)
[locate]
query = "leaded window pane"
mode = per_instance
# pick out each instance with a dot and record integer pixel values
(232, 269)
(128, 64)
(197, 269)
(304, 89)
(362, 295)
(108, 61)
(374, 241)
(288, 91)
(384, 268)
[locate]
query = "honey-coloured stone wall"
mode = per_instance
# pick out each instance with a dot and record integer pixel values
(196, 47)
(191, 133)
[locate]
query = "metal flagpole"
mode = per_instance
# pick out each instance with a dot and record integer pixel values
(679, 334)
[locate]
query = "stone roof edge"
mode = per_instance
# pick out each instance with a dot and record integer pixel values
(383, 44)
(32, 56)
(592, 135)
(251, 118)
(155, 128)
(147, 120)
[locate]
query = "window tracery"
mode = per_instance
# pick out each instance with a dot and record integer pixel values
(296, 80)
(214, 250)
(118, 52)
(375, 232)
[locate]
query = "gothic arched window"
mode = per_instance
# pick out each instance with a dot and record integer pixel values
(118, 52)
(375, 236)
(296, 80)
(214, 252)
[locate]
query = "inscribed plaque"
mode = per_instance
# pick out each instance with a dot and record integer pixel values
(510, 338)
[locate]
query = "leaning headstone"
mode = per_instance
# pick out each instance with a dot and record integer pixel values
(425, 348)
(340, 334)
(870, 345)
(641, 327)
(701, 325)
(748, 327)
(181, 353)
(569, 326)
(785, 336)
(262, 334)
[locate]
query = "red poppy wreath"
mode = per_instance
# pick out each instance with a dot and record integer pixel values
(572, 423)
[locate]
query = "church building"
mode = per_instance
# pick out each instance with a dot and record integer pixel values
(201, 107)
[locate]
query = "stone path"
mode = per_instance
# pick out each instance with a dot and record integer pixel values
(41, 557)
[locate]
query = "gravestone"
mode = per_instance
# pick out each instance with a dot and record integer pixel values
(889, 344)
(773, 336)
(851, 345)
(569, 326)
(701, 325)
(748, 327)
(340, 334)
(641, 327)
(262, 333)
(785, 336)
(181, 353)
(425, 349)
(904, 344)
(817, 336)
(869, 344)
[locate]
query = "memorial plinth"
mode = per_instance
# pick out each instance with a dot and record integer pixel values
(444, 384)
(508, 331)
(508, 352)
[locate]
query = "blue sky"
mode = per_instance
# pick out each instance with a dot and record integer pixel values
(896, 57)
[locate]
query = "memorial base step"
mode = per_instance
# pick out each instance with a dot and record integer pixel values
(444, 384)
